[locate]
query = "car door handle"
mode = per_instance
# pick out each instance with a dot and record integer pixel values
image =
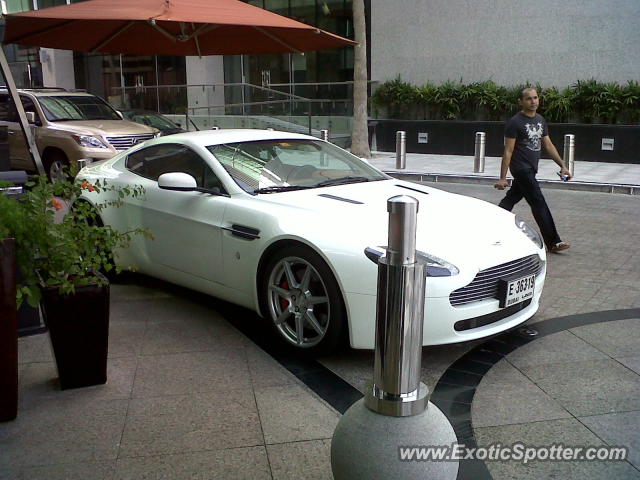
(11, 132)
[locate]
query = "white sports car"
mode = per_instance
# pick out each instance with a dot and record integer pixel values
(279, 223)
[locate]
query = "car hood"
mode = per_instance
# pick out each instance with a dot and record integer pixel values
(448, 224)
(103, 127)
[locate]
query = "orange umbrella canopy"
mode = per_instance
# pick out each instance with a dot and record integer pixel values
(166, 27)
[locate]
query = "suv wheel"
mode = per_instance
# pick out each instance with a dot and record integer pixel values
(54, 165)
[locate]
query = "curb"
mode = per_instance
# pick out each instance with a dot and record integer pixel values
(555, 184)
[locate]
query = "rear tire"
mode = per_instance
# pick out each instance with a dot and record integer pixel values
(302, 301)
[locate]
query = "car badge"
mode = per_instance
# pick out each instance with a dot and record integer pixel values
(497, 244)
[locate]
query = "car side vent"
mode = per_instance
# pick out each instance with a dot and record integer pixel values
(248, 233)
(342, 199)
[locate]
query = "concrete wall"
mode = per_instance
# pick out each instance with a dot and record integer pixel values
(507, 41)
(205, 71)
(57, 68)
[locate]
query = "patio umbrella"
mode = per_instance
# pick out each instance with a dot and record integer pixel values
(166, 27)
(158, 27)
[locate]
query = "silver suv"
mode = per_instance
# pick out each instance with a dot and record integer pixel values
(67, 126)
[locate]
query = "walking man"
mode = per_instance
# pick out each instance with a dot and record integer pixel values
(524, 136)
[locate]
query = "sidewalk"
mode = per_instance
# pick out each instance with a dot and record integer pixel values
(588, 176)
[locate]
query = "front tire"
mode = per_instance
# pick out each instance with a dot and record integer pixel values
(56, 165)
(302, 300)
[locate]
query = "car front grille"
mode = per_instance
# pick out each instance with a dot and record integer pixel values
(123, 142)
(485, 285)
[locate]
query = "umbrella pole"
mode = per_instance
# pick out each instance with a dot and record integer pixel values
(22, 117)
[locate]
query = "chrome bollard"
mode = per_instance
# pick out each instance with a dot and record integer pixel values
(83, 162)
(569, 151)
(478, 161)
(401, 150)
(396, 389)
(324, 135)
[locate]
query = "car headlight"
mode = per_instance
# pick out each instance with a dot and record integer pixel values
(89, 141)
(529, 231)
(436, 267)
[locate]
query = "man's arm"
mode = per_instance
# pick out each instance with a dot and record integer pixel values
(509, 144)
(551, 150)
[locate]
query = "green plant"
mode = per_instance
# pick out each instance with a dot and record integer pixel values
(586, 94)
(449, 97)
(556, 105)
(396, 95)
(425, 96)
(61, 252)
(630, 97)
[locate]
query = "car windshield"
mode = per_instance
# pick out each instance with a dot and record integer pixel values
(58, 108)
(270, 166)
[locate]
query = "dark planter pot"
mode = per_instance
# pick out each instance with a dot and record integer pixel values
(8, 332)
(79, 329)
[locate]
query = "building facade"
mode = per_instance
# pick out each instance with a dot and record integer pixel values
(507, 41)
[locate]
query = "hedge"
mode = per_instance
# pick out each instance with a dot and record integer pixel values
(587, 101)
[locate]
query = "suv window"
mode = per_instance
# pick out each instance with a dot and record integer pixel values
(8, 112)
(153, 161)
(59, 108)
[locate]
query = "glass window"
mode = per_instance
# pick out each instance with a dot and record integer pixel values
(50, 3)
(278, 165)
(15, 6)
(154, 161)
(58, 108)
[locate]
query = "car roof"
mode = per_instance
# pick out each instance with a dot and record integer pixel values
(53, 91)
(233, 135)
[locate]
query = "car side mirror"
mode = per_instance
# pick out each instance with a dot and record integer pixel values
(31, 117)
(178, 181)
(120, 114)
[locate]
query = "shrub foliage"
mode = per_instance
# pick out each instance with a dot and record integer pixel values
(586, 101)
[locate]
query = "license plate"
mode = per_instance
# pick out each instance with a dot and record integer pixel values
(515, 290)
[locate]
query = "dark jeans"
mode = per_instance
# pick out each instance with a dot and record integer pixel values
(526, 186)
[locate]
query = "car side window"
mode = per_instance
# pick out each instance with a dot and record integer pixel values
(153, 161)
(29, 106)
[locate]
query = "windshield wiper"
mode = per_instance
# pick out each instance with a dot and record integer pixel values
(280, 188)
(342, 181)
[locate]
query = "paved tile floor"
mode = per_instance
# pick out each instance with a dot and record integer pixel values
(190, 397)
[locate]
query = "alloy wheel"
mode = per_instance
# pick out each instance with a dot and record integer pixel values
(298, 302)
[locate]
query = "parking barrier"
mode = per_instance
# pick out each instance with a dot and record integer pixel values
(401, 150)
(569, 151)
(395, 411)
(478, 161)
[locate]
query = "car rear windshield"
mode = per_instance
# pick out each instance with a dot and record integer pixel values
(59, 108)
(269, 166)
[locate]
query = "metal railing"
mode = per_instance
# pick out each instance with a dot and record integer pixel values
(240, 105)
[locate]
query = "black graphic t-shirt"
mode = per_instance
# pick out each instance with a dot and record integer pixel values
(528, 132)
